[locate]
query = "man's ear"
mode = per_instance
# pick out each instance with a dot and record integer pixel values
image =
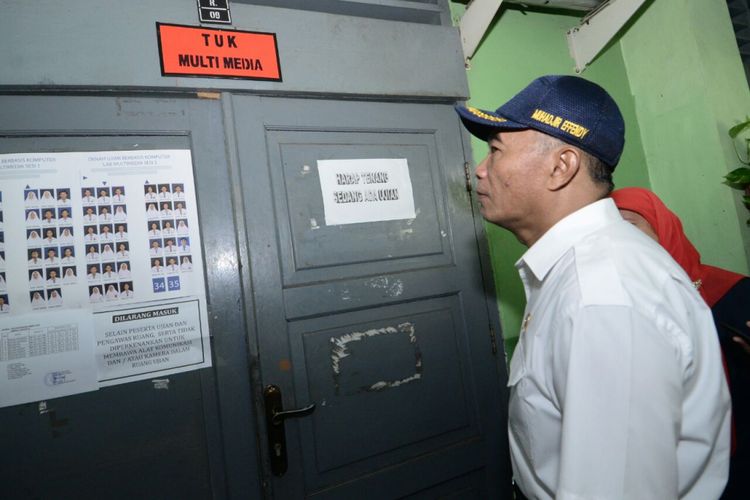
(565, 166)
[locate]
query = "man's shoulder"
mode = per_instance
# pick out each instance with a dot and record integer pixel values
(618, 264)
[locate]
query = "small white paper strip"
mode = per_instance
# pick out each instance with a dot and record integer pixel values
(366, 190)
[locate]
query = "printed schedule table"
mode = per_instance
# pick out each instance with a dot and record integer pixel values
(38, 341)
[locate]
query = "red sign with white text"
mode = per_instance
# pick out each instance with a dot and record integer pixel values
(216, 53)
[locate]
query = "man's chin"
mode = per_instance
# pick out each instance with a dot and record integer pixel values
(485, 212)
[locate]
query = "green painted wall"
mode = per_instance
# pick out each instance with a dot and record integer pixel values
(520, 47)
(684, 70)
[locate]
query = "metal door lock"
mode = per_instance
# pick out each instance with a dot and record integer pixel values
(275, 416)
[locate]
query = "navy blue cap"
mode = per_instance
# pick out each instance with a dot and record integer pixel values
(574, 110)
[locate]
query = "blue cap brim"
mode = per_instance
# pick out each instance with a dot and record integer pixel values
(482, 124)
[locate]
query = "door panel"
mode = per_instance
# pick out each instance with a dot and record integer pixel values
(383, 325)
(137, 440)
(376, 401)
(312, 248)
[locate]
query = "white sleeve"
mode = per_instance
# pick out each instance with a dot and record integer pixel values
(621, 406)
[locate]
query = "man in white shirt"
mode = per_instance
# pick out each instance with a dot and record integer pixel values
(121, 233)
(164, 193)
(62, 198)
(178, 192)
(87, 198)
(616, 384)
(68, 257)
(106, 233)
(91, 236)
(92, 255)
(157, 267)
(49, 218)
(51, 257)
(94, 274)
(108, 273)
(122, 251)
(184, 247)
(155, 249)
(50, 237)
(52, 278)
(104, 215)
(168, 230)
(90, 215)
(34, 259)
(103, 196)
(169, 247)
(150, 194)
(166, 211)
(64, 219)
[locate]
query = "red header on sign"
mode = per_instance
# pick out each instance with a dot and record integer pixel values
(190, 51)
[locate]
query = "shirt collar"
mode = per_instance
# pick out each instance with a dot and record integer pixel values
(568, 231)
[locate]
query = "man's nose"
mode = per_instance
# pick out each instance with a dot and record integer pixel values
(481, 170)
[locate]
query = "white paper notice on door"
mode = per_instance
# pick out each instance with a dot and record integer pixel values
(366, 190)
(150, 341)
(45, 355)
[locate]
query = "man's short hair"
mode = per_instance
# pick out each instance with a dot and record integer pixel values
(600, 172)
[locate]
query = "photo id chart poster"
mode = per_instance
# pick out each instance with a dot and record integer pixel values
(366, 190)
(102, 231)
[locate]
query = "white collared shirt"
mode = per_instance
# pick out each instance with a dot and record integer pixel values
(617, 387)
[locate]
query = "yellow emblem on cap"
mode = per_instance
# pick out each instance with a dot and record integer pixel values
(485, 116)
(560, 123)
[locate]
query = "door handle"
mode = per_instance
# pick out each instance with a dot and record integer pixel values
(275, 416)
(279, 416)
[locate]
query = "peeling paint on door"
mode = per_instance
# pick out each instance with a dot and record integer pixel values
(391, 287)
(341, 349)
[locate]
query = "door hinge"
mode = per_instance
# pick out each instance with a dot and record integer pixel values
(493, 342)
(467, 174)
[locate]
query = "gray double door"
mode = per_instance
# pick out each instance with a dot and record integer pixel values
(385, 326)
